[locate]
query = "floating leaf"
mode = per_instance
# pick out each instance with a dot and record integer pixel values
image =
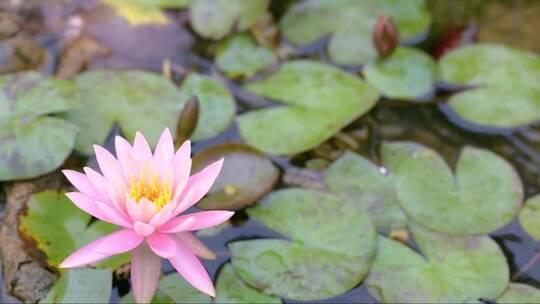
(529, 217)
(231, 289)
(370, 190)
(82, 285)
(216, 18)
(482, 196)
(520, 293)
(351, 24)
(33, 143)
(240, 56)
(506, 92)
(246, 176)
(452, 269)
(173, 289)
(407, 74)
(216, 105)
(330, 252)
(145, 11)
(320, 99)
(60, 228)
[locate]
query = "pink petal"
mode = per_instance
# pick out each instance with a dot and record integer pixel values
(117, 242)
(134, 210)
(165, 146)
(196, 246)
(189, 267)
(179, 226)
(109, 166)
(204, 219)
(162, 244)
(141, 148)
(182, 167)
(148, 209)
(86, 204)
(124, 153)
(163, 215)
(145, 273)
(112, 215)
(98, 181)
(82, 183)
(143, 229)
(198, 185)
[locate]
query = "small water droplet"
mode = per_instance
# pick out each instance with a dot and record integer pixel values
(383, 170)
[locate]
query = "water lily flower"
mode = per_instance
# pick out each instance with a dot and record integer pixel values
(145, 194)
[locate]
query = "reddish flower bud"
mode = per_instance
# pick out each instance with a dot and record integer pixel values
(385, 36)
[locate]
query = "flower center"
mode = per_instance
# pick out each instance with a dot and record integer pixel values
(150, 187)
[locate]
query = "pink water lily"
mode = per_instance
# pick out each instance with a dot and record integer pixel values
(145, 194)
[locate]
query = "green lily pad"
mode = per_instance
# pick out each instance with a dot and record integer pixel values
(351, 23)
(240, 56)
(214, 19)
(506, 92)
(484, 194)
(520, 294)
(320, 100)
(330, 252)
(407, 74)
(144, 11)
(231, 289)
(81, 285)
(529, 217)
(33, 143)
(452, 269)
(370, 190)
(246, 176)
(216, 105)
(171, 289)
(60, 228)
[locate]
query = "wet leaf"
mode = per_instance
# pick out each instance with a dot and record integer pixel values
(214, 19)
(407, 74)
(144, 11)
(370, 190)
(529, 217)
(505, 80)
(483, 194)
(32, 142)
(351, 24)
(216, 105)
(452, 269)
(319, 100)
(240, 56)
(60, 228)
(520, 293)
(136, 100)
(82, 285)
(330, 252)
(246, 176)
(231, 289)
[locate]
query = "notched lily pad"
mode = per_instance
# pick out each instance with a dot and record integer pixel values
(407, 74)
(231, 289)
(246, 176)
(81, 285)
(214, 19)
(330, 252)
(31, 142)
(520, 293)
(369, 189)
(505, 91)
(351, 24)
(240, 56)
(319, 100)
(60, 228)
(482, 195)
(452, 269)
(529, 217)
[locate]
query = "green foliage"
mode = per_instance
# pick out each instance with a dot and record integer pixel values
(239, 55)
(520, 293)
(231, 289)
(82, 285)
(529, 217)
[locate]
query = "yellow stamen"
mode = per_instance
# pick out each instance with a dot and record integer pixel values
(150, 187)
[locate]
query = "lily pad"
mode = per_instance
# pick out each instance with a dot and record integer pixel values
(529, 217)
(214, 19)
(217, 106)
(368, 188)
(407, 74)
(520, 293)
(60, 228)
(330, 252)
(452, 269)
(33, 143)
(483, 195)
(240, 56)
(82, 285)
(320, 100)
(231, 289)
(145, 11)
(505, 81)
(351, 24)
(246, 176)
(173, 289)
